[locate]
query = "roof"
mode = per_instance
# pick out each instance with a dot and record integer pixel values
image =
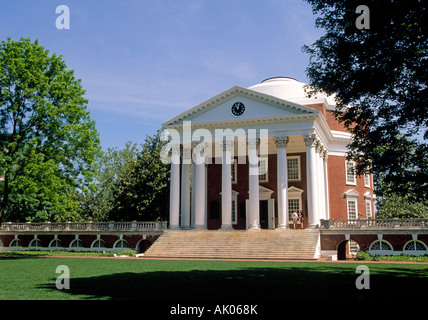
(289, 89)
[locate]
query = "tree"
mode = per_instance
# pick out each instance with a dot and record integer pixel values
(47, 138)
(379, 76)
(96, 202)
(142, 192)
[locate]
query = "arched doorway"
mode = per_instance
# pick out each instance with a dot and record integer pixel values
(341, 250)
(143, 245)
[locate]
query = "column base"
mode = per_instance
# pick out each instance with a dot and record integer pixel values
(200, 227)
(174, 228)
(254, 227)
(283, 226)
(226, 227)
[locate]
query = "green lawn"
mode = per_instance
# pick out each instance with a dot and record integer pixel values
(92, 278)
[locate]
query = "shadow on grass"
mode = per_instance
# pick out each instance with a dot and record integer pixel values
(251, 284)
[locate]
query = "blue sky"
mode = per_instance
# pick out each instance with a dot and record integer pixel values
(144, 61)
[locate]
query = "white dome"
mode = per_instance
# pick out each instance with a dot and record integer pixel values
(290, 89)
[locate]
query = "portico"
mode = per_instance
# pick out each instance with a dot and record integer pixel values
(230, 163)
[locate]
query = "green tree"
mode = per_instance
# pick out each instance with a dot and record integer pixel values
(142, 192)
(97, 200)
(381, 73)
(47, 138)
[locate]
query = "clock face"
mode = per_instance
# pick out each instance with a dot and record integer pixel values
(238, 109)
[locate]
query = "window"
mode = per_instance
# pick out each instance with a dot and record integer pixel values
(293, 168)
(99, 243)
(368, 208)
(366, 180)
(121, 244)
(415, 245)
(76, 243)
(15, 243)
(35, 243)
(234, 171)
(350, 173)
(55, 243)
(293, 205)
(263, 169)
(379, 245)
(234, 212)
(352, 209)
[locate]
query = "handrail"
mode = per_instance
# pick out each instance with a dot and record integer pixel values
(85, 226)
(356, 224)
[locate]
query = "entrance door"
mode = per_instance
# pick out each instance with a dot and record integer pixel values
(264, 214)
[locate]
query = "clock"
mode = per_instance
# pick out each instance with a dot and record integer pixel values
(238, 109)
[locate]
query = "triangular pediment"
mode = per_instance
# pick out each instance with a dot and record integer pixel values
(254, 107)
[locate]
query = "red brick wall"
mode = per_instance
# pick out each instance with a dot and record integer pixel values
(337, 188)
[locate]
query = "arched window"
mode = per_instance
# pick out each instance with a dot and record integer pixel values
(415, 245)
(15, 243)
(55, 243)
(76, 243)
(99, 243)
(35, 243)
(121, 244)
(380, 245)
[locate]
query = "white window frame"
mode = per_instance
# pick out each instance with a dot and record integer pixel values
(298, 168)
(352, 182)
(234, 206)
(367, 180)
(266, 178)
(369, 213)
(234, 170)
(348, 201)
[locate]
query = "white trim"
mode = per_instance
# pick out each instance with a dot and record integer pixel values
(299, 173)
(265, 160)
(348, 201)
(352, 182)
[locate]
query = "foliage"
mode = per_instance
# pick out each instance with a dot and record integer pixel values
(128, 252)
(142, 192)
(364, 256)
(382, 74)
(47, 138)
(395, 206)
(97, 201)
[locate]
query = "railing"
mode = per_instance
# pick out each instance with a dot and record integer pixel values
(85, 226)
(374, 224)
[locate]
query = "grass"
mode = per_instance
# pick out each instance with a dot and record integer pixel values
(33, 278)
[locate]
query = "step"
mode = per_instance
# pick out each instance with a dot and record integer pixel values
(259, 244)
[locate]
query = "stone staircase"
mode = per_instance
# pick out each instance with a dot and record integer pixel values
(237, 244)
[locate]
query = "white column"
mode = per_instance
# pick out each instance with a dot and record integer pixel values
(199, 158)
(311, 178)
(192, 195)
(327, 198)
(253, 177)
(185, 196)
(320, 181)
(226, 186)
(174, 194)
(282, 181)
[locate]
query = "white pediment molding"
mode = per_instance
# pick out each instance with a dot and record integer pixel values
(298, 111)
(352, 193)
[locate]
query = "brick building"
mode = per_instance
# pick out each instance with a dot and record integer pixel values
(300, 151)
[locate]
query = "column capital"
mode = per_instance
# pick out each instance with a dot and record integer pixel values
(253, 143)
(281, 142)
(310, 139)
(228, 145)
